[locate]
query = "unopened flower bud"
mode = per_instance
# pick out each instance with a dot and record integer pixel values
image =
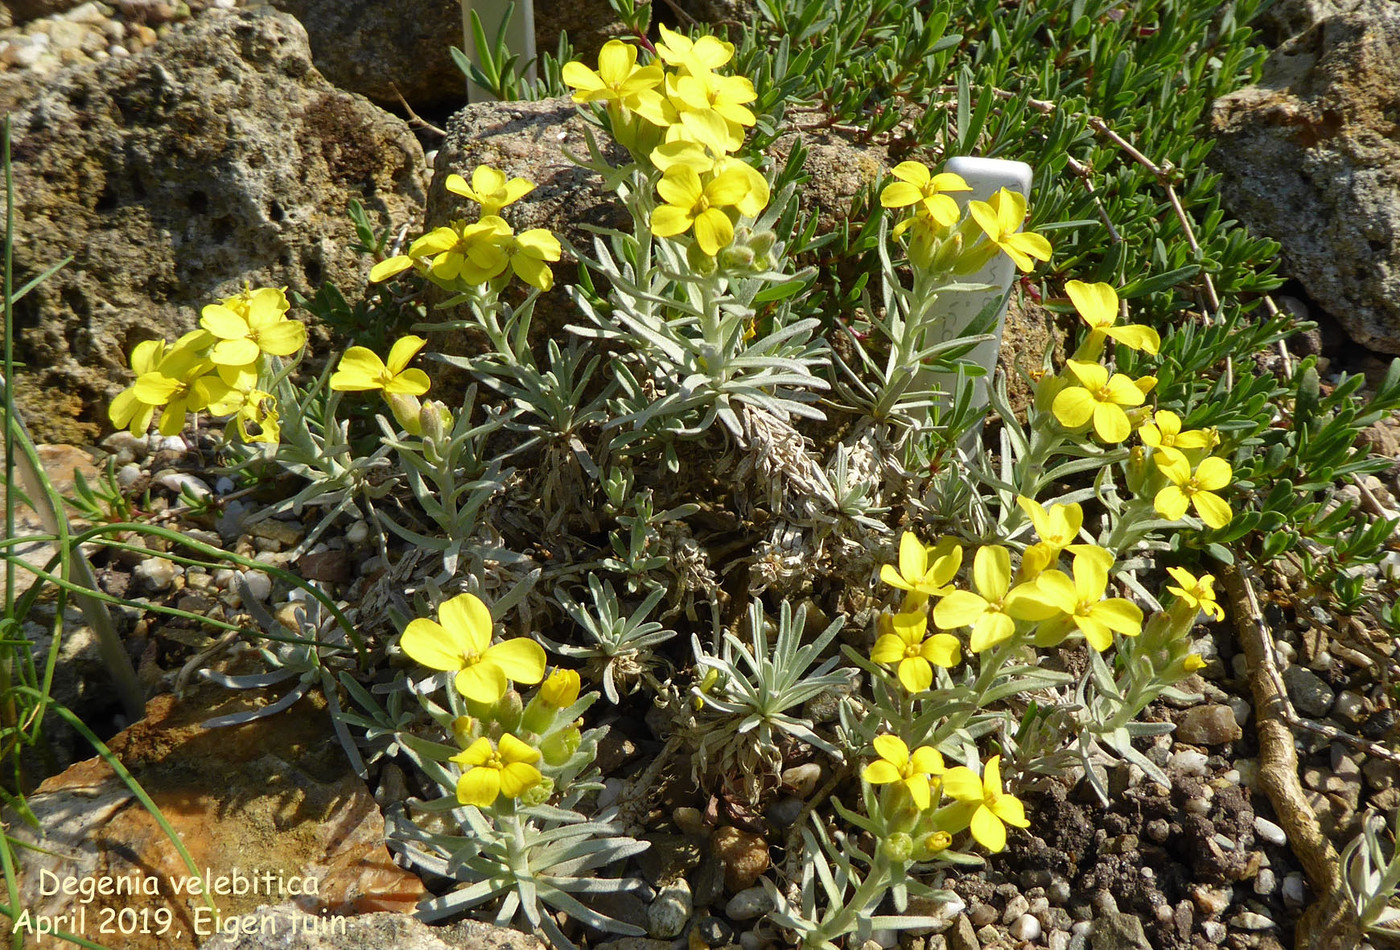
(898, 847)
(702, 264)
(561, 689)
(933, 843)
(560, 747)
(434, 420)
(407, 411)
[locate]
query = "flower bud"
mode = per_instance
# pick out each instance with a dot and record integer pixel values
(558, 748)
(898, 847)
(701, 264)
(407, 411)
(434, 420)
(1138, 470)
(465, 730)
(931, 844)
(560, 690)
(539, 793)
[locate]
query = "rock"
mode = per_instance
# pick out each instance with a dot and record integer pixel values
(963, 936)
(803, 779)
(61, 463)
(1309, 693)
(1309, 157)
(713, 931)
(1249, 920)
(216, 157)
(155, 573)
(743, 854)
(1118, 931)
(1268, 831)
(670, 911)
(748, 904)
(24, 10)
(371, 48)
(1017, 906)
(1025, 927)
(1188, 762)
(1295, 890)
(1213, 724)
(272, 801)
(785, 811)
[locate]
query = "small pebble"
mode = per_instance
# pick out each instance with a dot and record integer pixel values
(182, 483)
(1059, 891)
(1212, 901)
(1058, 940)
(128, 474)
(689, 820)
(258, 584)
(357, 533)
(1188, 762)
(743, 854)
(1016, 907)
(1249, 920)
(714, 931)
(668, 914)
(155, 574)
(169, 443)
(982, 915)
(884, 939)
(1025, 927)
(803, 779)
(1265, 883)
(224, 485)
(1268, 831)
(1294, 889)
(784, 812)
(748, 904)
(1214, 931)
(1158, 830)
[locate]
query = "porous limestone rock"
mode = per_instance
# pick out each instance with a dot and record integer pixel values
(219, 156)
(1310, 156)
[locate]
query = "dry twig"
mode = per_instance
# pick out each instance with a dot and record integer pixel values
(1329, 923)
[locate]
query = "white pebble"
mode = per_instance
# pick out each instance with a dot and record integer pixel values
(1295, 890)
(128, 474)
(1269, 831)
(357, 533)
(1025, 927)
(155, 573)
(184, 484)
(224, 485)
(259, 585)
(169, 443)
(748, 904)
(1249, 920)
(1188, 762)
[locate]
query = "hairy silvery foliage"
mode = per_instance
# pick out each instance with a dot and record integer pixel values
(687, 323)
(748, 693)
(619, 655)
(313, 654)
(451, 477)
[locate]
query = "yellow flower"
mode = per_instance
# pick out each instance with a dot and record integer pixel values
(1098, 305)
(462, 642)
(262, 327)
(490, 189)
(1164, 432)
(491, 772)
(704, 95)
(992, 612)
(361, 370)
(896, 764)
(1197, 593)
(619, 80)
(172, 382)
(903, 643)
(469, 252)
(992, 808)
(235, 393)
(527, 253)
(1100, 398)
(691, 204)
(1194, 489)
(705, 53)
(1082, 602)
(127, 411)
(1059, 527)
(917, 186)
(1001, 217)
(561, 689)
(923, 571)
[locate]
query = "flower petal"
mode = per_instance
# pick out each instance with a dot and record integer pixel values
(960, 608)
(892, 749)
(434, 646)
(479, 787)
(987, 830)
(482, 683)
(517, 778)
(991, 571)
(962, 783)
(521, 659)
(469, 622)
(915, 674)
(1213, 509)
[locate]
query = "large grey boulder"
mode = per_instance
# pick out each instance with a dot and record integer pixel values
(218, 156)
(373, 48)
(1310, 156)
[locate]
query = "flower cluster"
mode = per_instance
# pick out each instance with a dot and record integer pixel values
(465, 255)
(686, 122)
(1183, 475)
(220, 367)
(942, 238)
(979, 804)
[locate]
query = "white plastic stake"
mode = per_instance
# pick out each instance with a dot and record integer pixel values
(986, 176)
(520, 37)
